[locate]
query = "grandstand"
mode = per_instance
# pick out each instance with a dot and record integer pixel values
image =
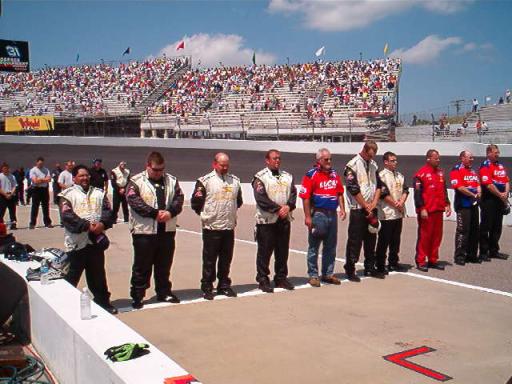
(497, 117)
(340, 101)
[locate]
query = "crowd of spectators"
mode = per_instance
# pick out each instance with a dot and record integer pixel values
(84, 88)
(352, 84)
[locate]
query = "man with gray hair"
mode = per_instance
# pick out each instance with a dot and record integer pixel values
(216, 199)
(322, 194)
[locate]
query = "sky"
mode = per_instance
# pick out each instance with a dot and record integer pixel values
(458, 49)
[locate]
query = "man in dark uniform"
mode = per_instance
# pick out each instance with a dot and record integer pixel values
(276, 196)
(155, 199)
(466, 184)
(495, 190)
(55, 183)
(99, 177)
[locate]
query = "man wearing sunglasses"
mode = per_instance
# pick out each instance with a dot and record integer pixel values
(155, 199)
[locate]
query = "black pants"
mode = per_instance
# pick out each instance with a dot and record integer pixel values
(40, 196)
(92, 260)
(272, 238)
(389, 236)
(56, 191)
(358, 235)
(466, 234)
(9, 204)
(217, 245)
(20, 192)
(28, 193)
(152, 251)
(490, 226)
(118, 200)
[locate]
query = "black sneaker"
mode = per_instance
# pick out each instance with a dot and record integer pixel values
(475, 260)
(460, 261)
(264, 286)
(110, 309)
(170, 298)
(13, 226)
(374, 273)
(422, 268)
(437, 266)
(137, 304)
(353, 277)
(484, 257)
(208, 295)
(49, 225)
(31, 226)
(498, 255)
(397, 268)
(226, 292)
(285, 284)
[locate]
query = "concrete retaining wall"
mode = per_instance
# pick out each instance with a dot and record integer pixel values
(402, 148)
(73, 348)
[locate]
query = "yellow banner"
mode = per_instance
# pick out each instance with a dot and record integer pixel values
(29, 123)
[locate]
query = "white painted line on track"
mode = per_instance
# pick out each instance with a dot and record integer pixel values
(254, 292)
(458, 284)
(255, 243)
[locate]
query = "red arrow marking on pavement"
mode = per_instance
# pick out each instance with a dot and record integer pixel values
(400, 359)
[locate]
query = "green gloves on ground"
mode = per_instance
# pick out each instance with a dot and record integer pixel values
(126, 351)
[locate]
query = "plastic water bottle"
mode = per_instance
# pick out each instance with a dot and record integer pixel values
(45, 278)
(85, 305)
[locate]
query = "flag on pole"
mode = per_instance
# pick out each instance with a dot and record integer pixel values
(254, 57)
(127, 51)
(77, 57)
(386, 48)
(320, 52)
(181, 45)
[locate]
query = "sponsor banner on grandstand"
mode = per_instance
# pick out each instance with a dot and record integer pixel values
(14, 56)
(29, 123)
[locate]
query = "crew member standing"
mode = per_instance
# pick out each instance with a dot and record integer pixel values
(86, 214)
(55, 183)
(66, 176)
(431, 201)
(216, 198)
(99, 177)
(322, 193)
(155, 200)
(466, 184)
(119, 177)
(363, 186)
(276, 196)
(8, 186)
(391, 211)
(495, 191)
(40, 177)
